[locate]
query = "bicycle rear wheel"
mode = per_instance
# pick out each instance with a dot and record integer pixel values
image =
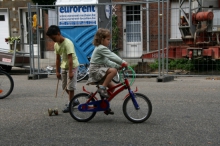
(82, 72)
(6, 84)
(79, 115)
(137, 115)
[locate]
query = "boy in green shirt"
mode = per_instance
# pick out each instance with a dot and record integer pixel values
(64, 50)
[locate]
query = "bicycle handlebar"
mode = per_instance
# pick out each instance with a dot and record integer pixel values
(127, 72)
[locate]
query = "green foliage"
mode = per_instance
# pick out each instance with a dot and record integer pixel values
(133, 66)
(44, 2)
(115, 31)
(154, 65)
(205, 64)
(217, 65)
(200, 65)
(183, 64)
(11, 40)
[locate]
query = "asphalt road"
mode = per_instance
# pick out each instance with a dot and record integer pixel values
(186, 112)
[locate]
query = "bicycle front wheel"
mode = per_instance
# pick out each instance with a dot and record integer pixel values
(82, 72)
(137, 115)
(79, 115)
(6, 84)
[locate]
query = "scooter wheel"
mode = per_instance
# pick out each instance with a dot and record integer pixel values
(56, 111)
(50, 111)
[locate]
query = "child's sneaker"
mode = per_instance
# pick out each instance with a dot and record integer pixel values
(66, 109)
(109, 111)
(76, 102)
(103, 92)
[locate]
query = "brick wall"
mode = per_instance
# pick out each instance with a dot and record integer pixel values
(49, 44)
(153, 26)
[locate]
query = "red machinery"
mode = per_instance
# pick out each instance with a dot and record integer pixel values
(199, 27)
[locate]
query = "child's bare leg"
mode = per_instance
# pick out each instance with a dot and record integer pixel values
(110, 85)
(111, 72)
(71, 94)
(109, 111)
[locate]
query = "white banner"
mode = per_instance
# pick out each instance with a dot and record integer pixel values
(77, 15)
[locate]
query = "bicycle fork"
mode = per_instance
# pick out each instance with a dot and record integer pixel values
(131, 94)
(133, 99)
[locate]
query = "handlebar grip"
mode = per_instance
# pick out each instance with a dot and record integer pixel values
(123, 65)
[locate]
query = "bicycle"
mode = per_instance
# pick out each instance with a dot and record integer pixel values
(136, 107)
(6, 84)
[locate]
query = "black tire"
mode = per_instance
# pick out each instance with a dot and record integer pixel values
(79, 115)
(133, 114)
(116, 78)
(6, 84)
(6, 68)
(82, 72)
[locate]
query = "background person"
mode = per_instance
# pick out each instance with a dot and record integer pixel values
(64, 48)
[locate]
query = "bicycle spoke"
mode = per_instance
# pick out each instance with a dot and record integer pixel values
(74, 111)
(137, 115)
(6, 84)
(82, 72)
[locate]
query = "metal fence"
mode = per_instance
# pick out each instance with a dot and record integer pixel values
(141, 30)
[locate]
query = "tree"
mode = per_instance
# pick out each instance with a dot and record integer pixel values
(115, 32)
(44, 2)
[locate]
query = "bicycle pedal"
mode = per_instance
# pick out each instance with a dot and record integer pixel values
(103, 98)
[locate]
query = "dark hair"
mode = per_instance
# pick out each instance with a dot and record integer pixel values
(53, 30)
(101, 34)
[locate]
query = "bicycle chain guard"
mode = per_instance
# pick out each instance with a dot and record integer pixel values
(95, 106)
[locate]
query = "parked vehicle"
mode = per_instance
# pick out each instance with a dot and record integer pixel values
(199, 29)
(8, 59)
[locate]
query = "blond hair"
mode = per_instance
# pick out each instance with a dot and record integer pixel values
(101, 34)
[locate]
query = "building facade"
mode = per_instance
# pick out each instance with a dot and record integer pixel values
(137, 25)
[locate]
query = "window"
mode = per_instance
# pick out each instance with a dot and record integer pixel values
(52, 17)
(175, 32)
(133, 23)
(2, 17)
